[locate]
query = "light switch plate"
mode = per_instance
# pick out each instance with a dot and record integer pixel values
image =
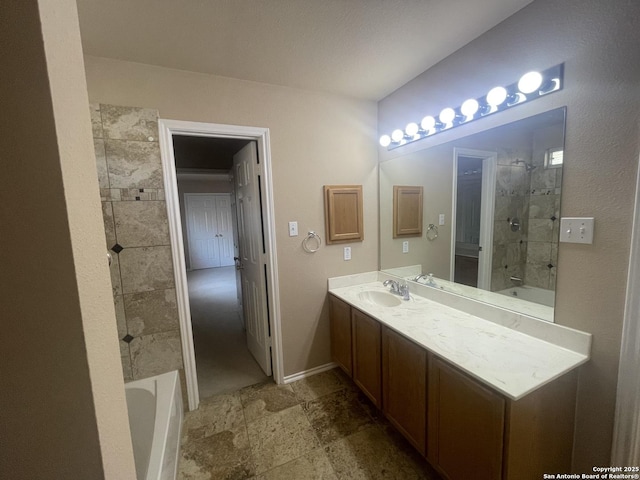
(293, 229)
(576, 229)
(405, 246)
(347, 253)
(441, 219)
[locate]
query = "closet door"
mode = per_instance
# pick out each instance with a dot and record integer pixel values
(224, 228)
(202, 228)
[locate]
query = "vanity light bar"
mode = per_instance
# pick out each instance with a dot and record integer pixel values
(531, 85)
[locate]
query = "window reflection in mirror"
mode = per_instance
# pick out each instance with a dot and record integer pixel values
(499, 191)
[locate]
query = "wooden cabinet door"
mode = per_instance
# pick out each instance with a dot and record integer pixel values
(340, 333)
(366, 355)
(404, 378)
(539, 430)
(465, 425)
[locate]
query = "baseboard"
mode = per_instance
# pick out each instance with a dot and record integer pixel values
(308, 373)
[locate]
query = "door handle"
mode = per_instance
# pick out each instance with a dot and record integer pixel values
(239, 265)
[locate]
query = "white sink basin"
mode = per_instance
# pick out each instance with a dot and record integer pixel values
(381, 299)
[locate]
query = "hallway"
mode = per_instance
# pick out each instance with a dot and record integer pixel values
(223, 361)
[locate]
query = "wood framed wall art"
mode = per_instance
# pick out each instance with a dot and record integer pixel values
(407, 211)
(343, 213)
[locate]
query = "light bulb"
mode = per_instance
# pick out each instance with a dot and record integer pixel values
(385, 140)
(397, 135)
(428, 123)
(530, 82)
(411, 129)
(447, 115)
(496, 96)
(469, 108)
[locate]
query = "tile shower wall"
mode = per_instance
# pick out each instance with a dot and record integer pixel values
(512, 203)
(533, 197)
(137, 236)
(544, 213)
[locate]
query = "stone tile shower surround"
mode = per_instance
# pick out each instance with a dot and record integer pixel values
(512, 201)
(534, 198)
(137, 235)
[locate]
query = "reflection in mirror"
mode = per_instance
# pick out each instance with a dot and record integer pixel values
(495, 197)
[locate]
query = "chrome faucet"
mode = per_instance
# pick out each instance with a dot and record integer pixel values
(397, 288)
(429, 279)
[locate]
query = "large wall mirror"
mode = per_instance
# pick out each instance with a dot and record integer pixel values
(493, 201)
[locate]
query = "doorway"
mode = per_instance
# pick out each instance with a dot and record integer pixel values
(215, 340)
(474, 184)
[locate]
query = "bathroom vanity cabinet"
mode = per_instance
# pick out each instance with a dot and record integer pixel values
(366, 341)
(404, 390)
(340, 327)
(464, 427)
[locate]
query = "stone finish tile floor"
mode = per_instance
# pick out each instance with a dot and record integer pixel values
(320, 427)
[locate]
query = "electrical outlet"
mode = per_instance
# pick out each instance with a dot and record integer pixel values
(405, 247)
(441, 219)
(293, 229)
(347, 253)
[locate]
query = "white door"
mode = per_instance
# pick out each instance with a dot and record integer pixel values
(487, 207)
(236, 256)
(224, 229)
(252, 255)
(209, 230)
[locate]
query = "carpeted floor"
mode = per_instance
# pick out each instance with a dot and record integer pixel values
(223, 361)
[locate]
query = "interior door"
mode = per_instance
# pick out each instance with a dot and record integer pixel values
(472, 243)
(224, 230)
(252, 255)
(202, 231)
(236, 255)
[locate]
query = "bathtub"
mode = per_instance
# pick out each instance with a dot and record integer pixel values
(155, 420)
(531, 294)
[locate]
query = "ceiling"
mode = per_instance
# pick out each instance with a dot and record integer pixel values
(360, 48)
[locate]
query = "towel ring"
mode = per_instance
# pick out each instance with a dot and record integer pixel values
(432, 232)
(311, 236)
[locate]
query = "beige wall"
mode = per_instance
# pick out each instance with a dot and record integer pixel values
(316, 139)
(433, 170)
(63, 408)
(598, 41)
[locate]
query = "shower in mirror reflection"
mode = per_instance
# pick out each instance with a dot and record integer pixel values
(526, 189)
(529, 167)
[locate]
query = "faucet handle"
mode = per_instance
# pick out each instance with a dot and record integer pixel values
(404, 291)
(395, 286)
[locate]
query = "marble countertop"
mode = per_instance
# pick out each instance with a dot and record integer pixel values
(512, 362)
